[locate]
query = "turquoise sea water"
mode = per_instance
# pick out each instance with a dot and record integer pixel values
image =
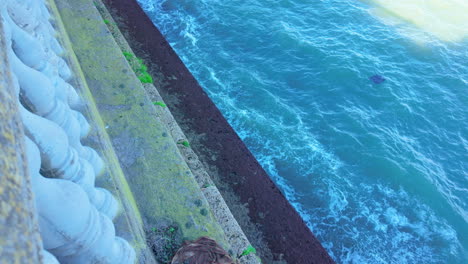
(379, 172)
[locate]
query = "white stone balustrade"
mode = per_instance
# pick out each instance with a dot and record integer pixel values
(38, 130)
(38, 94)
(74, 215)
(71, 228)
(26, 38)
(43, 33)
(33, 16)
(64, 162)
(60, 160)
(43, 100)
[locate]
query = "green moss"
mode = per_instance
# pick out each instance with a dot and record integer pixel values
(128, 55)
(159, 103)
(138, 67)
(145, 78)
(106, 22)
(249, 250)
(184, 143)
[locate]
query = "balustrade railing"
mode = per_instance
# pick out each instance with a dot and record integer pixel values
(75, 217)
(71, 228)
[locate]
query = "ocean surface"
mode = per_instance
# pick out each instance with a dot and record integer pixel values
(378, 171)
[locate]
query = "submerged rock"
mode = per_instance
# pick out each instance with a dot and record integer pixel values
(377, 79)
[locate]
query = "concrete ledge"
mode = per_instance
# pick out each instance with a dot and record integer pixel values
(235, 171)
(165, 191)
(219, 208)
(129, 224)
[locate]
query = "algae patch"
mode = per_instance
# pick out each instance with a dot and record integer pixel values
(249, 250)
(184, 143)
(160, 104)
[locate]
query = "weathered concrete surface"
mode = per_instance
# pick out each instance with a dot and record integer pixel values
(128, 223)
(19, 237)
(162, 184)
(221, 212)
(235, 170)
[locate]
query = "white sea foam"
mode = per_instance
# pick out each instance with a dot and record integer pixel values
(191, 30)
(400, 236)
(444, 19)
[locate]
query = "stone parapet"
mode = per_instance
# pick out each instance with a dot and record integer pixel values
(74, 216)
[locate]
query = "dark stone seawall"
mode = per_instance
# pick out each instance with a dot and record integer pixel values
(218, 145)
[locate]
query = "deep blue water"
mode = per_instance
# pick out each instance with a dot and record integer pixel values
(379, 172)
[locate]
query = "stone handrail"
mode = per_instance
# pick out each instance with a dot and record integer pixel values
(75, 217)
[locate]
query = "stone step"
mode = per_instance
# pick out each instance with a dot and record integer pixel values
(163, 204)
(235, 235)
(129, 223)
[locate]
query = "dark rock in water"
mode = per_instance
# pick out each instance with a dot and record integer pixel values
(377, 79)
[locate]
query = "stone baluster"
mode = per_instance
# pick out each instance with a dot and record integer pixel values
(48, 258)
(26, 46)
(38, 94)
(28, 16)
(33, 54)
(61, 161)
(71, 228)
(34, 17)
(77, 169)
(46, 39)
(30, 13)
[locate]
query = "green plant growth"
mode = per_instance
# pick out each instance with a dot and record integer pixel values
(106, 22)
(138, 67)
(249, 250)
(185, 143)
(160, 103)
